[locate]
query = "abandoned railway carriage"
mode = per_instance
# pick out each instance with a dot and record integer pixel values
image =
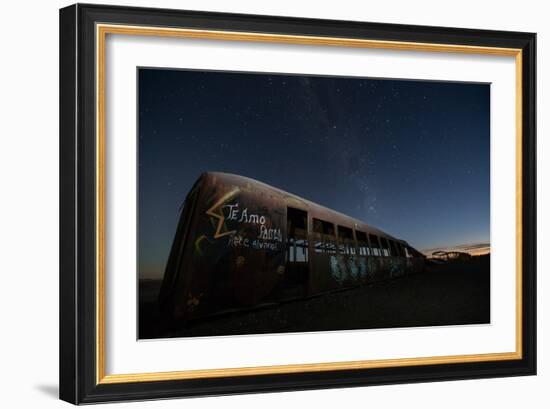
(240, 243)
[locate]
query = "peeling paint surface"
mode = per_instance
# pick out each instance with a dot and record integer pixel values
(252, 243)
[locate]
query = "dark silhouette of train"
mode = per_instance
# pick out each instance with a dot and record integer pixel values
(240, 243)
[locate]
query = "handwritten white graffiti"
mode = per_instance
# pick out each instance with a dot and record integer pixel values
(268, 238)
(240, 241)
(270, 234)
(244, 216)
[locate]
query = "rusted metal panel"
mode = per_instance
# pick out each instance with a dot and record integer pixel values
(234, 250)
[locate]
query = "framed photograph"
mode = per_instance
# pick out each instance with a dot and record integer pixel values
(257, 203)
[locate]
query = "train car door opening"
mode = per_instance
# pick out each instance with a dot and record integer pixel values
(297, 253)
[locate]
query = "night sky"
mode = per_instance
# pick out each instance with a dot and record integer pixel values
(409, 157)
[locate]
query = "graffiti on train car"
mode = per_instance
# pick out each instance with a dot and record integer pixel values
(241, 218)
(252, 243)
(240, 241)
(244, 216)
(347, 268)
(265, 237)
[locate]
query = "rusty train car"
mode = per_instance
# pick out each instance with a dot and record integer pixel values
(240, 243)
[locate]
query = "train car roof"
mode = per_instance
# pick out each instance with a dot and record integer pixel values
(332, 215)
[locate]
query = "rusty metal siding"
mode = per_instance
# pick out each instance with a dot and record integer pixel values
(235, 252)
(237, 249)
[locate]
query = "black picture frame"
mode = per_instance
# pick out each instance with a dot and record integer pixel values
(78, 302)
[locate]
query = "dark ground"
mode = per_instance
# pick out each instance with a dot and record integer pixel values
(449, 294)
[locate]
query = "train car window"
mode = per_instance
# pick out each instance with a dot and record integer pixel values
(393, 249)
(297, 245)
(362, 243)
(399, 249)
(385, 247)
(370, 251)
(324, 237)
(375, 245)
(346, 244)
(408, 253)
(353, 246)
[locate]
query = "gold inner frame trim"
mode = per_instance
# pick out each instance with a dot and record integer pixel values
(101, 33)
